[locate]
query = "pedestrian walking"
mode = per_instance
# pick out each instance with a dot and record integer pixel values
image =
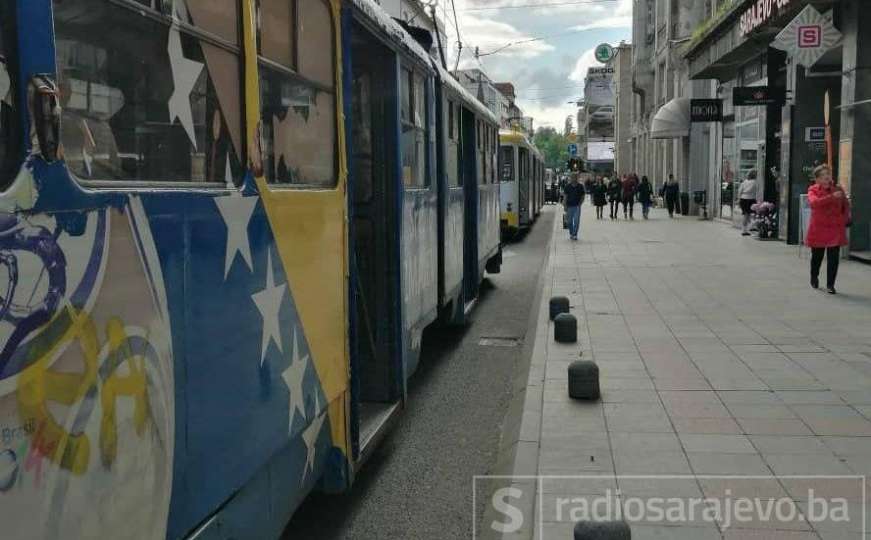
(747, 195)
(574, 198)
(827, 232)
(630, 187)
(670, 192)
(645, 196)
(600, 197)
(615, 193)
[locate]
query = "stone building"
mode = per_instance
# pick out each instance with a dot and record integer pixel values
(791, 54)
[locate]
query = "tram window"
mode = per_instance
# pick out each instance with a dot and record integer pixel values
(413, 130)
(10, 130)
(277, 24)
(144, 100)
(450, 108)
(298, 103)
(482, 151)
(507, 159)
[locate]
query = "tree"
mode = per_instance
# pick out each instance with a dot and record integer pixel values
(553, 145)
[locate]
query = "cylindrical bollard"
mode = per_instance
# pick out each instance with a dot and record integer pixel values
(602, 530)
(584, 380)
(558, 304)
(565, 328)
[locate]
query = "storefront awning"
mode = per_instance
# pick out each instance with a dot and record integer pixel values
(672, 120)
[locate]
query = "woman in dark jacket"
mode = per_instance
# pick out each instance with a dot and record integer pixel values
(645, 196)
(615, 194)
(600, 197)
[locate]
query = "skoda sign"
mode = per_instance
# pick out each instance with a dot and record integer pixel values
(604, 53)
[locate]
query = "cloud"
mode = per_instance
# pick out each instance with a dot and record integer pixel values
(585, 62)
(478, 29)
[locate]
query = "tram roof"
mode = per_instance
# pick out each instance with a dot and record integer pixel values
(393, 29)
(510, 136)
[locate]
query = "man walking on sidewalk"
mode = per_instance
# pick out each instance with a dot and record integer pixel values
(574, 198)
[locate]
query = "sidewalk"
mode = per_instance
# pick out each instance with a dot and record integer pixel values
(716, 359)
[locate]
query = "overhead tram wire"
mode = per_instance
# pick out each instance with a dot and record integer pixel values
(531, 40)
(459, 39)
(542, 6)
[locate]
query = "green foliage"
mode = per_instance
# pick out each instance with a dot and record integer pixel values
(553, 145)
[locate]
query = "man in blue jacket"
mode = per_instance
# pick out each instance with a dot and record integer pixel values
(574, 198)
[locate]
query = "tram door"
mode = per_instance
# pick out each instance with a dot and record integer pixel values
(470, 189)
(373, 235)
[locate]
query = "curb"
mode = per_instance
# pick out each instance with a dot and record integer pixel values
(521, 427)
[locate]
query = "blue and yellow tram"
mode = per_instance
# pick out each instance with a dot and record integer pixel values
(522, 182)
(224, 225)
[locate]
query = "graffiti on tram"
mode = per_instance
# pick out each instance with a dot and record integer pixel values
(86, 408)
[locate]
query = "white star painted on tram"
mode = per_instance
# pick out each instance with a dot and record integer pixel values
(310, 437)
(185, 74)
(293, 378)
(236, 211)
(268, 302)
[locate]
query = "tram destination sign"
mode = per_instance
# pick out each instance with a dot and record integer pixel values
(706, 110)
(752, 96)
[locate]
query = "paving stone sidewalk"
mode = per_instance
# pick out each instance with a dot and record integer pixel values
(717, 360)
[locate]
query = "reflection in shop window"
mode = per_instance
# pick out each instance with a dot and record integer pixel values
(10, 134)
(297, 84)
(142, 99)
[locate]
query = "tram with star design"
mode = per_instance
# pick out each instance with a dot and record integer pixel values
(224, 227)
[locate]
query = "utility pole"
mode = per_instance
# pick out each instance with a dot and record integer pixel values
(438, 34)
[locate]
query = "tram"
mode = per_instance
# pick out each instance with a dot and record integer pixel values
(522, 182)
(224, 225)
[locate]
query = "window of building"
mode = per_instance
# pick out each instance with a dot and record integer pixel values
(145, 98)
(10, 130)
(297, 86)
(506, 158)
(413, 115)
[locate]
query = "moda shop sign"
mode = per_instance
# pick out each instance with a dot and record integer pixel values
(760, 12)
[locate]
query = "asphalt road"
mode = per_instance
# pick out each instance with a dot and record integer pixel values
(418, 483)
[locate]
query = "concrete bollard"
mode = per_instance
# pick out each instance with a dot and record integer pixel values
(565, 328)
(584, 380)
(602, 530)
(558, 304)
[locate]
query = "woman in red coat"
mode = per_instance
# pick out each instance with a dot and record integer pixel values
(830, 213)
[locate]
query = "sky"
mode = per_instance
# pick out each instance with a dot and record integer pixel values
(548, 73)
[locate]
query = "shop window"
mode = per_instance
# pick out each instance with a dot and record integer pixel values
(10, 130)
(413, 114)
(145, 99)
(298, 103)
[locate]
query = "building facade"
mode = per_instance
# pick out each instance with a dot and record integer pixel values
(744, 49)
(661, 30)
(624, 159)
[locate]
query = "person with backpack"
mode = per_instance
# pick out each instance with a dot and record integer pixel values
(630, 186)
(615, 194)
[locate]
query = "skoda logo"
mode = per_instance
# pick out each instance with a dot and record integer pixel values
(604, 53)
